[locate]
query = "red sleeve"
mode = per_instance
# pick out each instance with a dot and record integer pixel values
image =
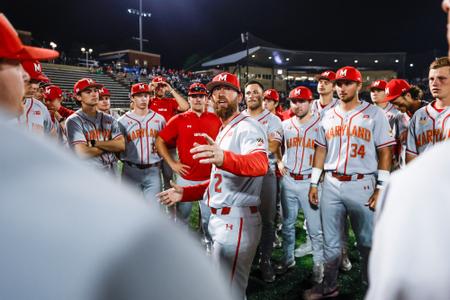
(65, 112)
(170, 132)
(194, 192)
(253, 164)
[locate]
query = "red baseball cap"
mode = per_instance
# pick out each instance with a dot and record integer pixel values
(224, 79)
(271, 94)
(327, 75)
(301, 93)
(104, 92)
(349, 73)
(53, 92)
(12, 48)
(197, 89)
(140, 88)
(34, 70)
(395, 88)
(85, 83)
(378, 85)
(159, 79)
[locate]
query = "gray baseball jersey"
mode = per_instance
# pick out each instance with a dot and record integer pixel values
(317, 108)
(36, 117)
(140, 135)
(243, 135)
(427, 127)
(352, 138)
(82, 128)
(272, 124)
(299, 144)
(391, 114)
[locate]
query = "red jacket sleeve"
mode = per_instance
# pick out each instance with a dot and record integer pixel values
(194, 192)
(65, 112)
(252, 164)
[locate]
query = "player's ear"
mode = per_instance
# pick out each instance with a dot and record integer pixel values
(240, 96)
(359, 86)
(78, 97)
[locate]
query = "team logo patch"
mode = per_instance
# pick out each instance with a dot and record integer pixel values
(37, 112)
(157, 121)
(188, 126)
(366, 117)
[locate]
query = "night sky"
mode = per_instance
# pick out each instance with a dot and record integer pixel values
(179, 29)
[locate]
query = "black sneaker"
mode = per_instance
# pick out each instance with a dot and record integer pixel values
(282, 268)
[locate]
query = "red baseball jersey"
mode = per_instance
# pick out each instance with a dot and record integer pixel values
(184, 130)
(166, 107)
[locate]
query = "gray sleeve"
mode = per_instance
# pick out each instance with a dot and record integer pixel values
(411, 147)
(115, 130)
(74, 132)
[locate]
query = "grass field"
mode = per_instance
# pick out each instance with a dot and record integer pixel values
(292, 284)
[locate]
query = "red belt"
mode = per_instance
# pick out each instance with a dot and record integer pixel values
(300, 176)
(342, 177)
(226, 210)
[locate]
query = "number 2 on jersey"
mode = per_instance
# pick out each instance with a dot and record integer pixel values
(355, 151)
(217, 187)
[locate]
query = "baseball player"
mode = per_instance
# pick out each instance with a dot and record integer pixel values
(12, 74)
(36, 116)
(166, 107)
(239, 161)
(300, 133)
(52, 99)
(429, 125)
(378, 96)
(254, 95)
(353, 149)
(140, 127)
(325, 88)
(53, 96)
(184, 130)
(272, 102)
(93, 135)
(406, 98)
(104, 103)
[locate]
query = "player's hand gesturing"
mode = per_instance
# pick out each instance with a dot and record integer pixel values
(208, 154)
(171, 196)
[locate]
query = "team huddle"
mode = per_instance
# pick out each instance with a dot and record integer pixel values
(330, 157)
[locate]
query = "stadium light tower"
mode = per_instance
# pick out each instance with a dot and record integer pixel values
(140, 14)
(87, 52)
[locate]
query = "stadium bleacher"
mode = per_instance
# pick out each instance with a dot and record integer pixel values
(65, 77)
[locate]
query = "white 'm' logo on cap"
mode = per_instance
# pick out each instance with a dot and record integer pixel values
(376, 83)
(298, 92)
(386, 91)
(343, 73)
(90, 81)
(222, 77)
(101, 91)
(326, 73)
(37, 67)
(141, 87)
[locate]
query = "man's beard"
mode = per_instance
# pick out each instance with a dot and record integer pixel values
(226, 112)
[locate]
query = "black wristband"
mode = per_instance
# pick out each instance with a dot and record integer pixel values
(92, 143)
